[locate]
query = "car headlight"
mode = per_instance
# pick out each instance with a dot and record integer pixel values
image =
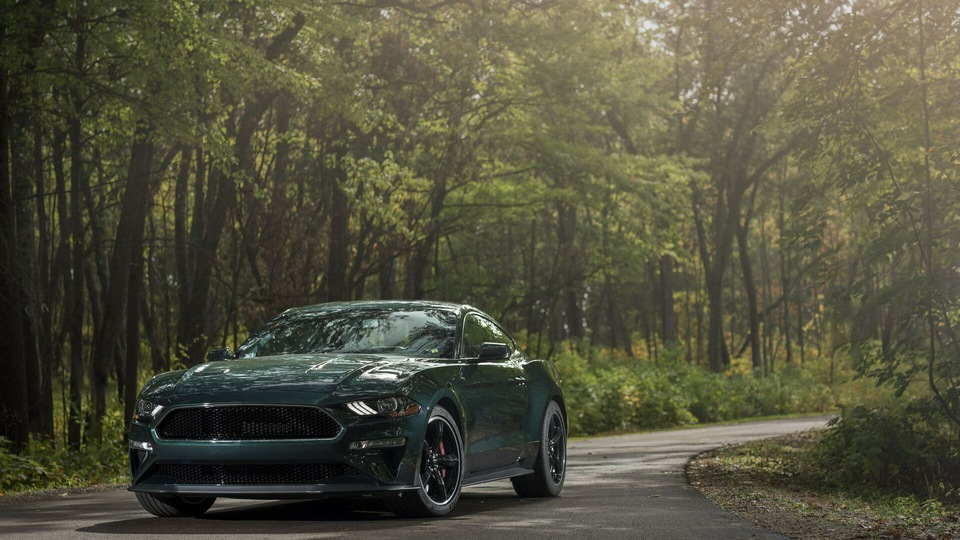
(146, 410)
(391, 406)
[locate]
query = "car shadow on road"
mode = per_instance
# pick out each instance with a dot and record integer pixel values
(262, 518)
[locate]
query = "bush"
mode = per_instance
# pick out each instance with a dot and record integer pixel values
(609, 394)
(44, 465)
(903, 447)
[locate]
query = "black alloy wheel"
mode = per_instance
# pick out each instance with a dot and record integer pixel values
(550, 468)
(440, 475)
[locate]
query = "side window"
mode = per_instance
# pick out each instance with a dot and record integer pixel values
(477, 331)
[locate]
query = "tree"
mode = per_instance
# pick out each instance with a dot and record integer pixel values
(894, 94)
(193, 329)
(745, 53)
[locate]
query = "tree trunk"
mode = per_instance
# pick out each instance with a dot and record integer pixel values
(419, 262)
(566, 247)
(714, 268)
(784, 282)
(385, 276)
(43, 414)
(337, 259)
(188, 252)
(716, 341)
(194, 315)
(668, 312)
(766, 279)
(14, 403)
(74, 295)
(191, 330)
(750, 286)
(131, 369)
(127, 248)
(24, 267)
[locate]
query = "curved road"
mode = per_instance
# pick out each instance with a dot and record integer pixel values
(629, 486)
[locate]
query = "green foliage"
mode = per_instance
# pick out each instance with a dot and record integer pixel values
(44, 465)
(907, 447)
(782, 477)
(611, 394)
(889, 152)
(620, 397)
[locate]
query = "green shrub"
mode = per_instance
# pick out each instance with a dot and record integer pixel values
(607, 393)
(903, 447)
(605, 396)
(44, 465)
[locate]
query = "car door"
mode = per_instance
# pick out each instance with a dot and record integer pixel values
(495, 394)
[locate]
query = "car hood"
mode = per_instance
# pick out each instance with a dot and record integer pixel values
(314, 373)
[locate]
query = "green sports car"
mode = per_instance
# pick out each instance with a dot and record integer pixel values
(409, 401)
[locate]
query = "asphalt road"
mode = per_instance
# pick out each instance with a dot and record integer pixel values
(630, 486)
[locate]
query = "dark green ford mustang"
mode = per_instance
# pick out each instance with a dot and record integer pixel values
(410, 401)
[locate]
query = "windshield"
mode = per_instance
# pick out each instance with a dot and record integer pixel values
(420, 333)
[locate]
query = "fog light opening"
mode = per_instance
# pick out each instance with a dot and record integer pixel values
(138, 445)
(378, 443)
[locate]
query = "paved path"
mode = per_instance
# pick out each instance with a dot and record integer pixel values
(630, 486)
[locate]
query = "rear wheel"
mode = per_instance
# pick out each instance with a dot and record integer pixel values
(175, 506)
(550, 468)
(440, 475)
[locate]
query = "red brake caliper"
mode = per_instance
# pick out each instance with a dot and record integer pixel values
(443, 472)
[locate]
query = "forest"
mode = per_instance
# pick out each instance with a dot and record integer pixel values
(741, 188)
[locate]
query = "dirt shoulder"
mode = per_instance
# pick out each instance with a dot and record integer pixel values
(765, 483)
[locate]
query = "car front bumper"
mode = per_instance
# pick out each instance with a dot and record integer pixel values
(275, 469)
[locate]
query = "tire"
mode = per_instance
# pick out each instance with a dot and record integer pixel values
(550, 468)
(440, 473)
(175, 506)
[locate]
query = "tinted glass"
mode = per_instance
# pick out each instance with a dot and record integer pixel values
(478, 330)
(424, 333)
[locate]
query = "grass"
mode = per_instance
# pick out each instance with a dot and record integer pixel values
(43, 467)
(777, 485)
(47, 465)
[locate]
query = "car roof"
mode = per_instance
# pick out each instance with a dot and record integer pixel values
(399, 305)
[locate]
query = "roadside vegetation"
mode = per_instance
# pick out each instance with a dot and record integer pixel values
(616, 394)
(46, 464)
(887, 466)
(796, 486)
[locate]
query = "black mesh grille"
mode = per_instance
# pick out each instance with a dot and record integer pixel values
(241, 423)
(252, 474)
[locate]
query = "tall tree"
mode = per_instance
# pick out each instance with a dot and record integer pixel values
(193, 328)
(28, 402)
(745, 56)
(892, 71)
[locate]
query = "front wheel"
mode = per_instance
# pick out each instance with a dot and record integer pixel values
(550, 468)
(175, 506)
(440, 475)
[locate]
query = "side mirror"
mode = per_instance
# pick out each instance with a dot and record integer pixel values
(220, 353)
(494, 351)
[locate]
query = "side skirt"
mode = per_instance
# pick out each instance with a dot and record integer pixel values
(496, 475)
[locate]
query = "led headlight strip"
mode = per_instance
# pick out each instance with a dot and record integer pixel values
(390, 406)
(361, 408)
